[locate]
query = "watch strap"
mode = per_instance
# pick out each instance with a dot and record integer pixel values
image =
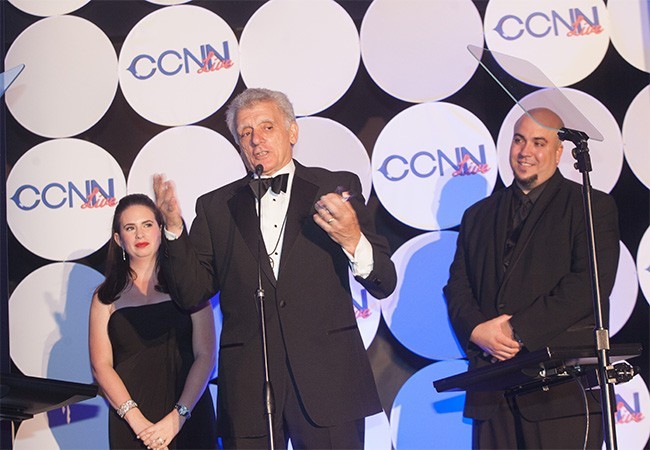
(182, 410)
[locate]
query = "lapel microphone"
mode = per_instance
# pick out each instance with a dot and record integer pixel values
(259, 169)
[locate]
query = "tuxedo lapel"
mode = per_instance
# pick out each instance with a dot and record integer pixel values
(303, 196)
(242, 208)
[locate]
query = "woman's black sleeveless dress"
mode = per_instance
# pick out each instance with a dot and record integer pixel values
(152, 353)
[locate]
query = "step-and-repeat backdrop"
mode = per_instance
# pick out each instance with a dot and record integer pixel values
(116, 90)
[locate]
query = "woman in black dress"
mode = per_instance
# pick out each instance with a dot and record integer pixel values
(151, 359)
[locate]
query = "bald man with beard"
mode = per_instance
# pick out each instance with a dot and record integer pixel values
(520, 281)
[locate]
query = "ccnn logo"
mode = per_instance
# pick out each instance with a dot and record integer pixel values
(628, 411)
(571, 23)
(425, 164)
(361, 309)
(171, 62)
(57, 195)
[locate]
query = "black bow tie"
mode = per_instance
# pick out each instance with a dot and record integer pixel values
(277, 184)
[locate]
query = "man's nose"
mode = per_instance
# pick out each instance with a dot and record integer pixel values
(526, 149)
(256, 138)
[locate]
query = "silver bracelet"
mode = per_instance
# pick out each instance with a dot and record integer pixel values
(125, 408)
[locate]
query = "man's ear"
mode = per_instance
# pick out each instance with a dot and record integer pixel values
(293, 133)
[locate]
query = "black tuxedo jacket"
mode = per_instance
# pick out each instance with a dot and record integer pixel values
(546, 287)
(310, 317)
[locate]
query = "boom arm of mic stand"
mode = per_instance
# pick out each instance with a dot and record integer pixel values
(583, 164)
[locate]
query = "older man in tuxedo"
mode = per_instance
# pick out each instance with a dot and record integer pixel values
(314, 229)
(520, 281)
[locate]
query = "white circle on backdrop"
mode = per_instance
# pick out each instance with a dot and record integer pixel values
(326, 143)
(69, 80)
(416, 313)
(48, 192)
(179, 65)
(624, 293)
(423, 418)
(44, 8)
(631, 417)
(48, 317)
(550, 35)
(636, 135)
(308, 50)
(431, 162)
(405, 43)
(643, 264)
(606, 156)
(77, 426)
(48, 337)
(630, 22)
(196, 158)
(367, 310)
(168, 2)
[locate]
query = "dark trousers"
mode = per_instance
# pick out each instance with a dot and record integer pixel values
(507, 429)
(291, 421)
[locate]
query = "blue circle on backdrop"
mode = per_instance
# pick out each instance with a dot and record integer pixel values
(421, 417)
(416, 313)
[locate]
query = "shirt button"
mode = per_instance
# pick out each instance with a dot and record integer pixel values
(283, 303)
(501, 305)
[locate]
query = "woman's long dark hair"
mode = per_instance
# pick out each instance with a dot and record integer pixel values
(119, 274)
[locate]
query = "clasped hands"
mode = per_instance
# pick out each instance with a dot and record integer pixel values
(336, 216)
(495, 337)
(160, 434)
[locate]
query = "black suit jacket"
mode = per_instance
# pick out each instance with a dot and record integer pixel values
(546, 286)
(310, 316)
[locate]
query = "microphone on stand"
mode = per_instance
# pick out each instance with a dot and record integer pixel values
(259, 169)
(269, 399)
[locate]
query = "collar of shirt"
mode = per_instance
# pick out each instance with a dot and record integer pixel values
(533, 194)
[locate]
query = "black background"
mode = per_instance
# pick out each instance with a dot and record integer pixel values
(364, 109)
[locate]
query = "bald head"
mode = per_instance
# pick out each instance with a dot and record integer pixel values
(544, 117)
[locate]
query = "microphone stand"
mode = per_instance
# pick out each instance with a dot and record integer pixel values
(269, 400)
(606, 380)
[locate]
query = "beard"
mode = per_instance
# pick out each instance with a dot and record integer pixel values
(526, 183)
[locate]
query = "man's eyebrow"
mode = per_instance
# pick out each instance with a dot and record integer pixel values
(261, 122)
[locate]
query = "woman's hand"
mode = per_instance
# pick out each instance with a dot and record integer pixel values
(160, 434)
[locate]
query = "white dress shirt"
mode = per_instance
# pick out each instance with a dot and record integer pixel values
(273, 224)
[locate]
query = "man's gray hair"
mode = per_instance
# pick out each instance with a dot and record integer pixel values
(250, 97)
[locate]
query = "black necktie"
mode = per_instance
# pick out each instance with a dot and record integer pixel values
(277, 184)
(522, 211)
(518, 219)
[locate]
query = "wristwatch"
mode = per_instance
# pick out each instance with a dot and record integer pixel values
(182, 410)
